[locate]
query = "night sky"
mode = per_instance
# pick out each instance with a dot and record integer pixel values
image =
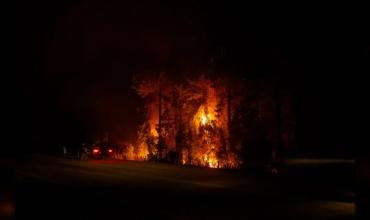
(75, 61)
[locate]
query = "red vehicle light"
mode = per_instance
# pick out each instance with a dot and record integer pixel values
(96, 151)
(110, 150)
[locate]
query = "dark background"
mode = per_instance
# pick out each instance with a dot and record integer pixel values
(75, 61)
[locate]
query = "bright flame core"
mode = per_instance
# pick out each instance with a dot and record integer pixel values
(204, 116)
(211, 160)
(203, 119)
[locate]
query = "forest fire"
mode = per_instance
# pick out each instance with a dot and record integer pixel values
(215, 123)
(187, 123)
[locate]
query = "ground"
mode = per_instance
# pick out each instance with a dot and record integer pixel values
(56, 188)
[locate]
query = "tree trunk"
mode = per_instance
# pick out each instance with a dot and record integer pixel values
(160, 139)
(229, 116)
